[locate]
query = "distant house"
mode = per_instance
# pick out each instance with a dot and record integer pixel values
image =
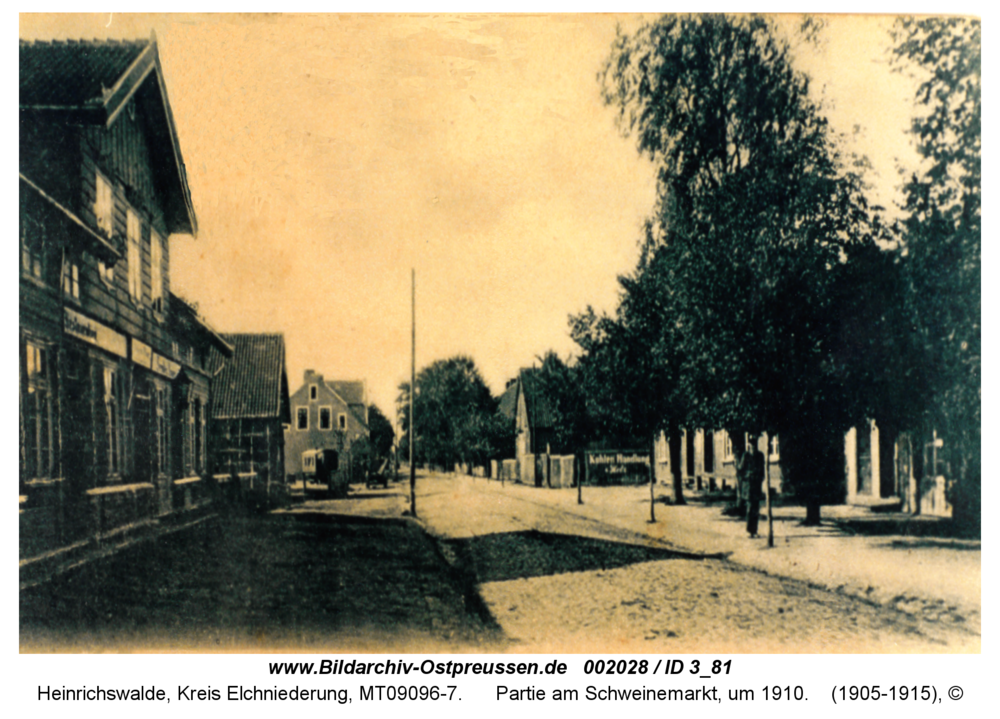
(707, 460)
(325, 414)
(250, 408)
(525, 405)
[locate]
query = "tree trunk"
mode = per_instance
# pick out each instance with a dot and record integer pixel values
(652, 479)
(812, 514)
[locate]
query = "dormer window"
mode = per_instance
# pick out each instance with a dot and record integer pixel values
(104, 205)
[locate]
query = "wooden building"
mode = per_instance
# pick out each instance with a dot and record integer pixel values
(113, 384)
(524, 404)
(250, 408)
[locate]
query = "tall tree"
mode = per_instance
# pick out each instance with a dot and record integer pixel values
(558, 384)
(756, 219)
(942, 236)
(380, 432)
(451, 397)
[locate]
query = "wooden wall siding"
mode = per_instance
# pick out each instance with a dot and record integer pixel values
(50, 157)
(123, 153)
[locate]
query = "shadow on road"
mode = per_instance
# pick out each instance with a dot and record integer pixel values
(520, 555)
(282, 580)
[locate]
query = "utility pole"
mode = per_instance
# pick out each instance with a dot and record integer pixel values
(413, 386)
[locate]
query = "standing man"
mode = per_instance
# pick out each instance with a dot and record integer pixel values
(755, 475)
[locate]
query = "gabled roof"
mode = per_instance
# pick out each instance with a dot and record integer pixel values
(184, 317)
(351, 391)
(508, 400)
(252, 383)
(539, 413)
(91, 82)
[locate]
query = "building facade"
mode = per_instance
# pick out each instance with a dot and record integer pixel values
(326, 414)
(250, 409)
(114, 387)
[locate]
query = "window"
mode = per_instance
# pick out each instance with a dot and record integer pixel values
(302, 418)
(71, 277)
(342, 421)
(313, 392)
(106, 271)
(134, 225)
(104, 206)
(325, 418)
(727, 447)
(199, 436)
(112, 409)
(772, 452)
(156, 269)
(32, 244)
(37, 437)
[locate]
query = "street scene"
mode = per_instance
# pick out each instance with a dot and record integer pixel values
(500, 333)
(508, 568)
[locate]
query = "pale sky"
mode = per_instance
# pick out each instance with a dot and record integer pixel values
(328, 155)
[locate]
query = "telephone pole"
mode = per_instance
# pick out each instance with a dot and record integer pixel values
(413, 386)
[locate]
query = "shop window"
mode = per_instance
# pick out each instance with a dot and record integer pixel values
(113, 423)
(325, 418)
(302, 418)
(161, 397)
(199, 436)
(37, 439)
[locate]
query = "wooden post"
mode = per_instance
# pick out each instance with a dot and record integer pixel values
(413, 386)
(767, 488)
(652, 481)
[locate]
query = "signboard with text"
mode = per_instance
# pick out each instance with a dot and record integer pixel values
(93, 332)
(616, 466)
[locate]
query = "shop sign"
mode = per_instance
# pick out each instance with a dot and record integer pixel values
(617, 466)
(167, 368)
(142, 354)
(88, 330)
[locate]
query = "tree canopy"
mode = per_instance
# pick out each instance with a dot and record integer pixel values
(454, 413)
(942, 236)
(759, 217)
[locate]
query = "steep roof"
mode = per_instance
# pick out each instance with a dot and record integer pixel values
(91, 82)
(540, 415)
(252, 384)
(508, 400)
(351, 391)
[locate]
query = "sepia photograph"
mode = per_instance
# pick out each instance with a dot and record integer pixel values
(499, 333)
